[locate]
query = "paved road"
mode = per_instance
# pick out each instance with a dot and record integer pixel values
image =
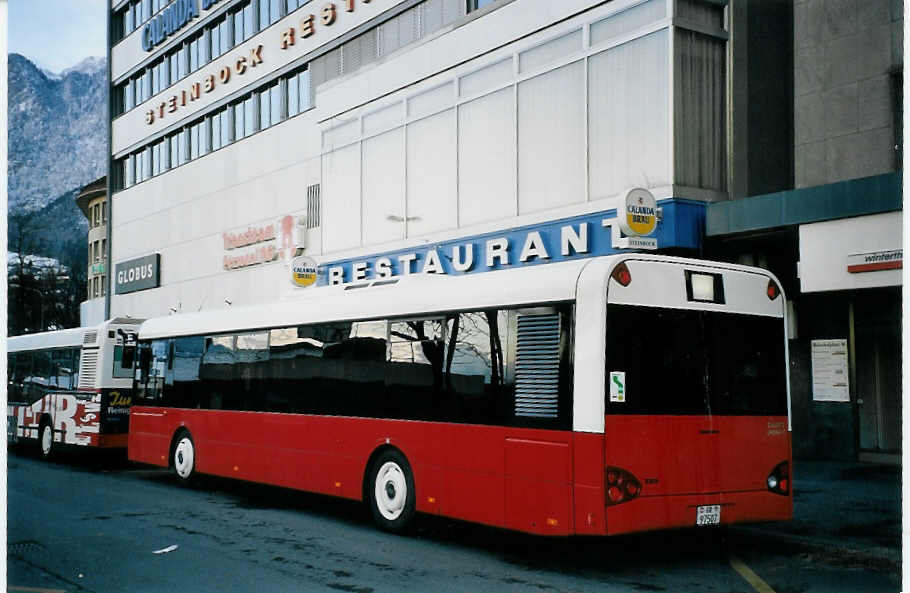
(79, 524)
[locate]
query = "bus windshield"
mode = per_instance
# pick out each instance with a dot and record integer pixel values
(691, 362)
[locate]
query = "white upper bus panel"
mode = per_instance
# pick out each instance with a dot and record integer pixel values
(663, 284)
(409, 296)
(64, 338)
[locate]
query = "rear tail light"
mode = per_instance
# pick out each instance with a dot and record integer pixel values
(621, 274)
(779, 479)
(621, 486)
(773, 290)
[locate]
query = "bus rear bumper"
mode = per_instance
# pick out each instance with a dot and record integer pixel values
(649, 513)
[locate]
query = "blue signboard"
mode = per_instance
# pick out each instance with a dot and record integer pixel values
(588, 235)
(170, 20)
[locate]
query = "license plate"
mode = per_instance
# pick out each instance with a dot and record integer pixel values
(708, 515)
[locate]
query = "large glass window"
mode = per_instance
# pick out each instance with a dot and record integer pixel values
(227, 126)
(265, 104)
(264, 13)
(477, 4)
(239, 125)
(237, 17)
(275, 98)
(215, 38)
(293, 96)
(249, 20)
(250, 115)
(225, 33)
(216, 131)
(459, 367)
(708, 362)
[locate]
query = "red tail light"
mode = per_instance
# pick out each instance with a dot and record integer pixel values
(621, 274)
(621, 486)
(779, 479)
(773, 290)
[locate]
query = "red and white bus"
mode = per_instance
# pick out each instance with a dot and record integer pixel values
(72, 386)
(602, 396)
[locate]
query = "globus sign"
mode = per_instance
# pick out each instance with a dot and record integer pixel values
(138, 274)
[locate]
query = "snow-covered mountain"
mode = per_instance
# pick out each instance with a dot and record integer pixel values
(57, 130)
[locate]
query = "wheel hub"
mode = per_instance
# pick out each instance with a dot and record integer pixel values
(391, 490)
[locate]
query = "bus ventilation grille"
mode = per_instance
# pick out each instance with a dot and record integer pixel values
(90, 337)
(537, 366)
(88, 368)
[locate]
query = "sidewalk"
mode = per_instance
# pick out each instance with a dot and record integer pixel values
(842, 509)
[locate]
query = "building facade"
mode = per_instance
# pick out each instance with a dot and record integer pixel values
(351, 131)
(92, 201)
(834, 235)
(258, 141)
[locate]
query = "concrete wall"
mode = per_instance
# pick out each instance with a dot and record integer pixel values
(844, 112)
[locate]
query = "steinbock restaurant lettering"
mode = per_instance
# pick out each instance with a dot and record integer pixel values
(178, 14)
(138, 274)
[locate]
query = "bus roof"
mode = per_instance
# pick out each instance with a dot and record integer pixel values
(417, 295)
(64, 338)
(406, 295)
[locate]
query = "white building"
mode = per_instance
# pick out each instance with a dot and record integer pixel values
(398, 136)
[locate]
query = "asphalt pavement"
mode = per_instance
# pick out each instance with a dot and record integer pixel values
(78, 524)
(841, 510)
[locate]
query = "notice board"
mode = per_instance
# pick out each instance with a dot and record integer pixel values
(830, 375)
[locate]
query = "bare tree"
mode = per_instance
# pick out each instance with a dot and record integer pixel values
(25, 294)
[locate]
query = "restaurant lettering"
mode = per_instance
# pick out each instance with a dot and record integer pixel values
(180, 12)
(203, 86)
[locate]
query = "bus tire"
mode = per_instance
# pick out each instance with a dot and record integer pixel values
(390, 491)
(183, 457)
(45, 440)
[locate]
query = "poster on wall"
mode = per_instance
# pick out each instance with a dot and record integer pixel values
(830, 378)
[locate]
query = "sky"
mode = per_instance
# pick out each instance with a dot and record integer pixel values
(57, 34)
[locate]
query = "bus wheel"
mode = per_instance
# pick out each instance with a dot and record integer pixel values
(391, 492)
(183, 458)
(45, 440)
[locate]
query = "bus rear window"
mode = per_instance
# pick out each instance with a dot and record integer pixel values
(688, 362)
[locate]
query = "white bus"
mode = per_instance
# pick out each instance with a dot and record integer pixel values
(71, 386)
(600, 396)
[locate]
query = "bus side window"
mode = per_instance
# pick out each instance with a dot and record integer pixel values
(413, 375)
(40, 381)
(76, 354)
(477, 359)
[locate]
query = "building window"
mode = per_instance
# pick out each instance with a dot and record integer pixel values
(103, 249)
(103, 212)
(478, 4)
(267, 106)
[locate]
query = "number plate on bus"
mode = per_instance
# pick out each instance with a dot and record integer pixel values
(708, 515)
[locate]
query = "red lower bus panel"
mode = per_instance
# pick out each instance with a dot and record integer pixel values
(668, 512)
(682, 462)
(461, 471)
(538, 486)
(588, 469)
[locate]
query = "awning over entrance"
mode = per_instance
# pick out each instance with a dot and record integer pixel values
(856, 197)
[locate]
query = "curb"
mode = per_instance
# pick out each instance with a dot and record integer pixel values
(883, 558)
